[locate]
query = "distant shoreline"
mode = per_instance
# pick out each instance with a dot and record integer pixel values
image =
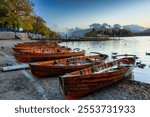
(72, 40)
(82, 39)
(64, 40)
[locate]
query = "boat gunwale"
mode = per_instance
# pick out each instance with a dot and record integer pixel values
(80, 75)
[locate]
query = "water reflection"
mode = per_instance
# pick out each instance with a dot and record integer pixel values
(132, 45)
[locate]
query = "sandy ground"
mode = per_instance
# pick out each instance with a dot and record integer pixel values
(15, 85)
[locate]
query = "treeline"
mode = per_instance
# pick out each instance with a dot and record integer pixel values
(109, 32)
(19, 14)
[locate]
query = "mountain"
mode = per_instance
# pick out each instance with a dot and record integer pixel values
(63, 34)
(134, 28)
(82, 32)
(146, 31)
(143, 33)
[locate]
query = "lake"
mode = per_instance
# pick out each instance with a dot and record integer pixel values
(125, 45)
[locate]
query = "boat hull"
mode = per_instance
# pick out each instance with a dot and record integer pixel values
(35, 57)
(76, 86)
(48, 71)
(62, 66)
(38, 49)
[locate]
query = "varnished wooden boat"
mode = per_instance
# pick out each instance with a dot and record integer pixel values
(62, 66)
(20, 49)
(79, 83)
(35, 57)
(31, 44)
(37, 43)
(42, 49)
(34, 45)
(17, 49)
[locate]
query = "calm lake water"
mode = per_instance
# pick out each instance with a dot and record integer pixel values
(126, 45)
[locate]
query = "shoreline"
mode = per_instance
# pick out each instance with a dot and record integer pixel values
(62, 40)
(15, 85)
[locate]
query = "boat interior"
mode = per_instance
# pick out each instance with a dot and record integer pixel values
(100, 68)
(73, 61)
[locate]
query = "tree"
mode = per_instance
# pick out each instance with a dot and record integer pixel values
(17, 11)
(92, 33)
(107, 26)
(95, 26)
(16, 14)
(124, 32)
(117, 26)
(113, 32)
(38, 24)
(3, 12)
(27, 24)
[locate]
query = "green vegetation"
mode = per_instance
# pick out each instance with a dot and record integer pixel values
(92, 33)
(18, 14)
(110, 32)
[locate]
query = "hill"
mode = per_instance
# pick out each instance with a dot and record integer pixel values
(81, 32)
(143, 33)
(134, 28)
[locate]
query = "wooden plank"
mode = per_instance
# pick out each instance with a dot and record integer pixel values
(15, 67)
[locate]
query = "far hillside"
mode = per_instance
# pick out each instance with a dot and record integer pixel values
(106, 29)
(110, 33)
(143, 33)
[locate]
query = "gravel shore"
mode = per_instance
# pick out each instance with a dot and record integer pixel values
(15, 85)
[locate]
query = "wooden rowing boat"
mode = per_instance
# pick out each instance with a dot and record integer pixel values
(62, 66)
(35, 57)
(79, 83)
(37, 47)
(35, 44)
(42, 49)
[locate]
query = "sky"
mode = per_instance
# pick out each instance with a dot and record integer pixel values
(63, 14)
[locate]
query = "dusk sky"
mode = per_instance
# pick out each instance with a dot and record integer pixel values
(62, 14)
